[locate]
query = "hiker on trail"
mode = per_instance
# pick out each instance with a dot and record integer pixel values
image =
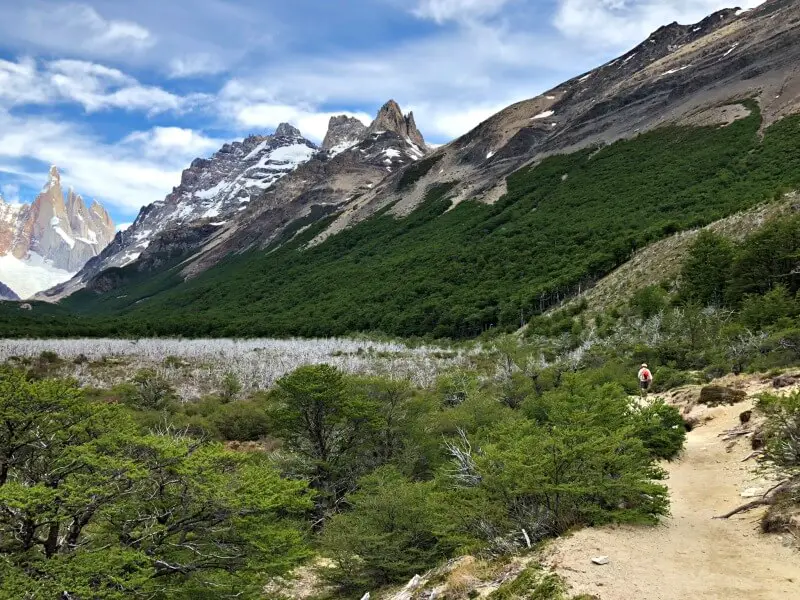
(645, 379)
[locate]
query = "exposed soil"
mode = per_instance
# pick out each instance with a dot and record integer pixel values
(691, 554)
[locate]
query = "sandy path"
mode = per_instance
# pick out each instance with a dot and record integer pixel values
(690, 555)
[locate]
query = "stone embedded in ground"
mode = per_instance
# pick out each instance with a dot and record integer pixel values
(752, 493)
(600, 560)
(758, 441)
(782, 381)
(717, 395)
(745, 416)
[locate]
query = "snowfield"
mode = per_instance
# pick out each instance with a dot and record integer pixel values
(26, 277)
(196, 367)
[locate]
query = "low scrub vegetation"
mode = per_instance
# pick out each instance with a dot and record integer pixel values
(382, 477)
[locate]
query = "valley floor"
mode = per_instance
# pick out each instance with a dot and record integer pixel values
(691, 555)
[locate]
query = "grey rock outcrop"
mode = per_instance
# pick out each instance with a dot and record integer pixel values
(343, 132)
(391, 118)
(716, 395)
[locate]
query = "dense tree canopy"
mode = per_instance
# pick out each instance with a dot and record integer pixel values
(91, 508)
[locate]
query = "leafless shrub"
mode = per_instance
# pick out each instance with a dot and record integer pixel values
(465, 473)
(199, 367)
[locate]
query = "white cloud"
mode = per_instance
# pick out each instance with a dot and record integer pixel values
(179, 38)
(453, 120)
(161, 141)
(93, 86)
(253, 108)
(123, 226)
(458, 10)
(61, 25)
(139, 169)
(452, 79)
(10, 193)
(193, 65)
(623, 23)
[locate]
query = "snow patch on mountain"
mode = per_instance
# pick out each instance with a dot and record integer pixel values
(26, 277)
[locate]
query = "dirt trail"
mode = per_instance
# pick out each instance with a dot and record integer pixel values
(690, 555)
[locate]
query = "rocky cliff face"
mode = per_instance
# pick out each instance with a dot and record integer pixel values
(212, 192)
(250, 191)
(322, 186)
(692, 75)
(343, 132)
(391, 118)
(50, 234)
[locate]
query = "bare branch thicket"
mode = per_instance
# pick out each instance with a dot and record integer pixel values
(258, 364)
(465, 473)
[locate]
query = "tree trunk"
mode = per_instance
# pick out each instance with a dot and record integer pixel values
(51, 543)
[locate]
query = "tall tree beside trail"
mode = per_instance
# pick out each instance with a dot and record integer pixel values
(329, 425)
(92, 508)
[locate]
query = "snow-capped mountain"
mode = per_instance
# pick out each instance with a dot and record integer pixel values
(212, 191)
(249, 190)
(47, 242)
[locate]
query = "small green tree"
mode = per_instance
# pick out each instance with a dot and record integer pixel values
(649, 301)
(325, 423)
(388, 535)
(661, 429)
(231, 387)
(706, 271)
(151, 391)
(759, 312)
(576, 460)
(241, 421)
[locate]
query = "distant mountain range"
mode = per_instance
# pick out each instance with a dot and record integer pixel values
(46, 242)
(255, 188)
(375, 230)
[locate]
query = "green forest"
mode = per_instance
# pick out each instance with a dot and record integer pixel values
(129, 490)
(440, 273)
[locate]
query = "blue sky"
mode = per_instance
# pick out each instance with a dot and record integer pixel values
(123, 95)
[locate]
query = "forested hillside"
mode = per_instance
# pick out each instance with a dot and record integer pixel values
(455, 272)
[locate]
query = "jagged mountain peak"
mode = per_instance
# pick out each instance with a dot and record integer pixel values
(390, 118)
(54, 179)
(45, 242)
(343, 132)
(212, 193)
(287, 130)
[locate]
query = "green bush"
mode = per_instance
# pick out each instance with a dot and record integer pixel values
(241, 421)
(782, 430)
(707, 269)
(149, 391)
(667, 378)
(661, 429)
(649, 301)
(577, 460)
(532, 584)
(231, 387)
(759, 312)
(387, 536)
